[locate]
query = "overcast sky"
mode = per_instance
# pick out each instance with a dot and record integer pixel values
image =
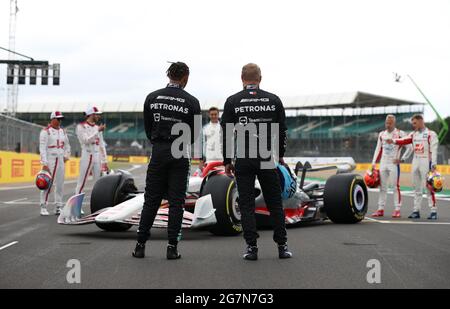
(116, 51)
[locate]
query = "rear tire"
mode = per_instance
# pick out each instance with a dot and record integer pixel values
(105, 194)
(345, 198)
(223, 192)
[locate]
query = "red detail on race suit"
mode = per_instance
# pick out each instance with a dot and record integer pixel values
(59, 145)
(433, 197)
(398, 185)
(86, 174)
(404, 141)
(429, 146)
(419, 148)
(380, 152)
(53, 177)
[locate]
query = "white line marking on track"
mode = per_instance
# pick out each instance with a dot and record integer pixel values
(9, 245)
(406, 222)
(439, 196)
(18, 200)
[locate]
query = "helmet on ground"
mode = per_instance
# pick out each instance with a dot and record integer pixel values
(43, 180)
(435, 181)
(288, 182)
(372, 178)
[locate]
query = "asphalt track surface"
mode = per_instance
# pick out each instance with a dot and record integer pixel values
(34, 252)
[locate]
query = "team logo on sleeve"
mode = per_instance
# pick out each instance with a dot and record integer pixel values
(157, 117)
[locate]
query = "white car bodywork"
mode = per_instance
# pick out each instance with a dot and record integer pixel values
(128, 212)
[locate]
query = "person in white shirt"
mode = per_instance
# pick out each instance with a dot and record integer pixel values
(212, 140)
(425, 147)
(389, 157)
(93, 151)
(54, 149)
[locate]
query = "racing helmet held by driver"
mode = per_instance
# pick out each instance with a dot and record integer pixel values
(43, 180)
(372, 178)
(435, 181)
(288, 182)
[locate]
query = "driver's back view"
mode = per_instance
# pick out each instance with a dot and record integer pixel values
(167, 173)
(260, 116)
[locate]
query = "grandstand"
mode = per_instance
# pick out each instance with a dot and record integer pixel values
(341, 124)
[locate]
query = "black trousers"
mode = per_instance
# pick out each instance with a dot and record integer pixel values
(246, 172)
(167, 177)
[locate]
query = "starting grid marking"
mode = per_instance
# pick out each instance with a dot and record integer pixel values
(404, 222)
(26, 201)
(439, 196)
(442, 197)
(8, 245)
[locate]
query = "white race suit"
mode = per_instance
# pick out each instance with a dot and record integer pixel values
(212, 142)
(54, 147)
(425, 146)
(388, 154)
(93, 153)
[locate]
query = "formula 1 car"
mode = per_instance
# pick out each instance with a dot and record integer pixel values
(212, 201)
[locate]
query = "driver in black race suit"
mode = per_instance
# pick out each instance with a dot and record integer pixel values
(253, 108)
(167, 173)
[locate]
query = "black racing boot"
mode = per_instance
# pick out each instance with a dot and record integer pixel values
(139, 251)
(414, 215)
(251, 253)
(283, 251)
(172, 252)
(432, 216)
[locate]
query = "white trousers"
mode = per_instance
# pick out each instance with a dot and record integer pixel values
(389, 174)
(57, 170)
(420, 170)
(88, 162)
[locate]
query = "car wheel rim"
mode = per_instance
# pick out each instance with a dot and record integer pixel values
(235, 206)
(358, 198)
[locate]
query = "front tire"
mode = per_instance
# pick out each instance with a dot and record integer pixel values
(223, 192)
(106, 193)
(345, 198)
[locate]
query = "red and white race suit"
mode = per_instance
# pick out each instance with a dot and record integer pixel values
(54, 147)
(93, 153)
(425, 146)
(387, 155)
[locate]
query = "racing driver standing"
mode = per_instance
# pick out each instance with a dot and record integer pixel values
(425, 146)
(389, 157)
(254, 109)
(167, 173)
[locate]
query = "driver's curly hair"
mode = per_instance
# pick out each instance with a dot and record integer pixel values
(177, 70)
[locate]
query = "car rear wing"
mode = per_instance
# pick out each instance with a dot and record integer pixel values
(305, 168)
(343, 164)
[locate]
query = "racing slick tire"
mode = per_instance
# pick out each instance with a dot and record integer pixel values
(223, 192)
(109, 191)
(345, 198)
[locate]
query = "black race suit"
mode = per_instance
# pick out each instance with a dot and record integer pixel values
(167, 177)
(253, 105)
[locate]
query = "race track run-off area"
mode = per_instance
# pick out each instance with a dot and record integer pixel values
(36, 252)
